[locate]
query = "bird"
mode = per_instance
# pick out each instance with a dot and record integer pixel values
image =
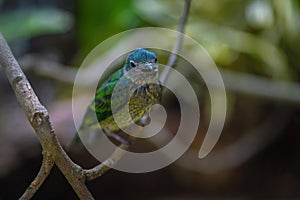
(139, 73)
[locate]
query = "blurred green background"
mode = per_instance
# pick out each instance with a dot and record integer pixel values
(255, 44)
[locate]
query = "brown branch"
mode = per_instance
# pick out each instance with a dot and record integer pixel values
(178, 44)
(100, 169)
(45, 170)
(38, 117)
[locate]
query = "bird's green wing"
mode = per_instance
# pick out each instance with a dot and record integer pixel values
(102, 102)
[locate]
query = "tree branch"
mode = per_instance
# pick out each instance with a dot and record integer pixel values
(45, 170)
(178, 44)
(38, 117)
(100, 169)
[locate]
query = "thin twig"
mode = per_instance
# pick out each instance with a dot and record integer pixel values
(100, 169)
(178, 44)
(45, 170)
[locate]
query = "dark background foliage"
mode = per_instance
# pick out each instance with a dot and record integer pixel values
(255, 44)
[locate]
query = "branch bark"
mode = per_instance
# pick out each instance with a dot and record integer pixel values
(100, 169)
(45, 170)
(178, 44)
(38, 117)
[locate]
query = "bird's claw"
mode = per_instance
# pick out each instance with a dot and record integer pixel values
(128, 143)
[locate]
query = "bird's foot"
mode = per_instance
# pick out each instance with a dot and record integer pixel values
(119, 139)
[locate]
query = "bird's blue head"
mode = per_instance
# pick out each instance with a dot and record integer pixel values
(142, 61)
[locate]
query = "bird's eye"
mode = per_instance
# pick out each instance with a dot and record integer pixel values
(132, 63)
(155, 60)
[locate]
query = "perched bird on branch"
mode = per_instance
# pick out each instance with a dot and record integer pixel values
(139, 75)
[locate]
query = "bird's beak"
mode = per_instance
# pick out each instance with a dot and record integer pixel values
(149, 67)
